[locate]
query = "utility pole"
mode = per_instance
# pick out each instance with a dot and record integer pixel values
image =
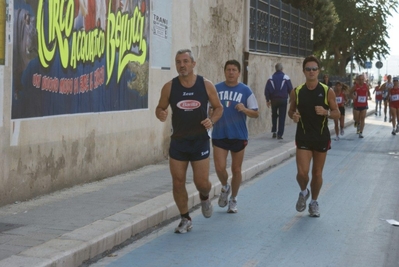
(351, 76)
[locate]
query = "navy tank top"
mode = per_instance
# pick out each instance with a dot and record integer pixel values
(189, 108)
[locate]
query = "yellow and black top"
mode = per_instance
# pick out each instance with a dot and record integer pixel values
(312, 127)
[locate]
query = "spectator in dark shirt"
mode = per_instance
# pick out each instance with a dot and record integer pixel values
(277, 90)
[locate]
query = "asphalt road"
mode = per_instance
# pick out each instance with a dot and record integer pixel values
(360, 192)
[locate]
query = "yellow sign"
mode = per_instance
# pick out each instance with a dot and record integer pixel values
(2, 32)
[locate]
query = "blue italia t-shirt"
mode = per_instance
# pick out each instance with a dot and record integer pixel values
(232, 124)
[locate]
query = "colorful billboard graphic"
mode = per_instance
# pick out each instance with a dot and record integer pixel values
(78, 56)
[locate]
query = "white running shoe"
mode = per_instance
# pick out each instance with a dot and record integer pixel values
(301, 203)
(337, 138)
(184, 226)
(232, 206)
(314, 209)
(223, 197)
(206, 208)
(342, 131)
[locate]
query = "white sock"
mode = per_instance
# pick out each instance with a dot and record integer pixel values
(226, 187)
(304, 192)
(313, 201)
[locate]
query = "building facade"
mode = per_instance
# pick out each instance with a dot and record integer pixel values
(78, 92)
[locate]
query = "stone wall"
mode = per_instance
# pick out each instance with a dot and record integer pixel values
(43, 155)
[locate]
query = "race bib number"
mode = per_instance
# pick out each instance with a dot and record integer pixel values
(394, 97)
(361, 99)
(339, 99)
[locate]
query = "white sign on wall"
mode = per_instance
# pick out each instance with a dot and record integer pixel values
(161, 34)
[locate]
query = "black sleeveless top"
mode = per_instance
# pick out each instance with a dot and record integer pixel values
(312, 126)
(189, 108)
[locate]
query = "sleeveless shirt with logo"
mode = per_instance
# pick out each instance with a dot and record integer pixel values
(312, 126)
(361, 95)
(189, 108)
(340, 99)
(394, 101)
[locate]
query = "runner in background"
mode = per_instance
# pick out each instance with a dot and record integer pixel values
(340, 96)
(378, 98)
(384, 88)
(361, 94)
(393, 95)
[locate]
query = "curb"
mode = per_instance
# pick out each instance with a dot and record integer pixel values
(85, 243)
(80, 245)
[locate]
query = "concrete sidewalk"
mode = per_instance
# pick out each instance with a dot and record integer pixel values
(72, 226)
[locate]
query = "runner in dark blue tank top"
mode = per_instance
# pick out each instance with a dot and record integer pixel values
(188, 95)
(189, 108)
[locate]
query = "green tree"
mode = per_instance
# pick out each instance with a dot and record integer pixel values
(325, 20)
(362, 30)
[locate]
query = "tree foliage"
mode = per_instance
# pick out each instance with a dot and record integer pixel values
(362, 29)
(325, 20)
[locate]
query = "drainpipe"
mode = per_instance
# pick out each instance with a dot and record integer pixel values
(247, 4)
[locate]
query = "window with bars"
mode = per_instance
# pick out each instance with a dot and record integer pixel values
(278, 28)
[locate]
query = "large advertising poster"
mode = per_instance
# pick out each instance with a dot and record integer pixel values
(78, 56)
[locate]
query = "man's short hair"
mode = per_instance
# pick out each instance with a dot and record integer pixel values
(233, 62)
(183, 51)
(279, 67)
(310, 58)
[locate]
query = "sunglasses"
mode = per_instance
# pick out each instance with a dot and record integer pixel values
(314, 69)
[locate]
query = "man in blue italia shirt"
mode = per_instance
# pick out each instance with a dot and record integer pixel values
(230, 131)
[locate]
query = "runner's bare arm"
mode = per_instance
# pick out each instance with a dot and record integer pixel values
(161, 111)
(292, 112)
(217, 108)
(334, 111)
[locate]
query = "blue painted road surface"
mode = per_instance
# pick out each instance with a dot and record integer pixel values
(360, 192)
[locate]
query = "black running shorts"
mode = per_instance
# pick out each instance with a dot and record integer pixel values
(360, 108)
(189, 150)
(342, 110)
(321, 146)
(234, 145)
